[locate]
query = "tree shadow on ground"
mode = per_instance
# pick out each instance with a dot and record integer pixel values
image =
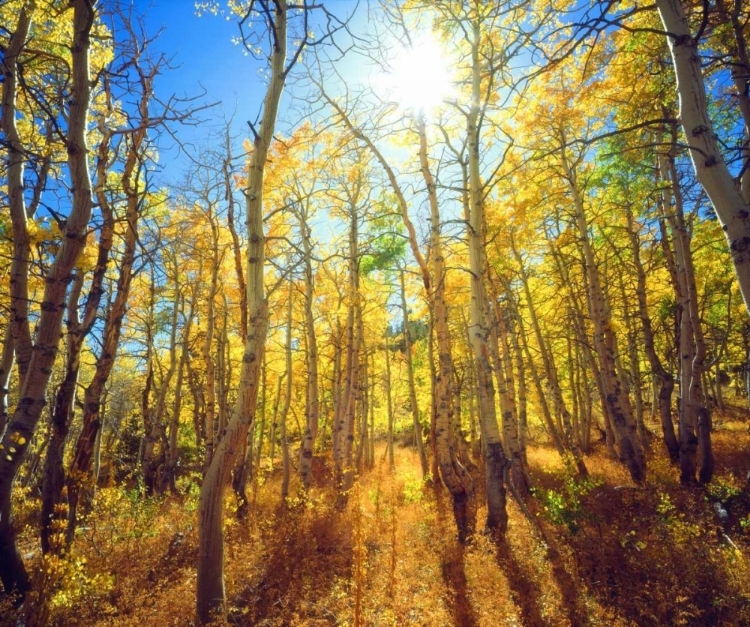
(456, 588)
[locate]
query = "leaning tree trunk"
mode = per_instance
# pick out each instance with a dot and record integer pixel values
(666, 380)
(694, 430)
(131, 186)
(453, 474)
(22, 425)
(210, 595)
(569, 442)
(710, 168)
(618, 404)
(53, 478)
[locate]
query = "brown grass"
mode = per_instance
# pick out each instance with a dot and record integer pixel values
(625, 555)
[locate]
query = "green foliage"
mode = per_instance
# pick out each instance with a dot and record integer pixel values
(565, 507)
(413, 489)
(722, 489)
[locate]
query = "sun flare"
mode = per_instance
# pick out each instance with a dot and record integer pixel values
(419, 79)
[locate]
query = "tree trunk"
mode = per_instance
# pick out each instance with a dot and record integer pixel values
(210, 424)
(568, 442)
(618, 404)
(694, 416)
(210, 596)
(312, 407)
(710, 168)
(387, 382)
(666, 380)
(410, 380)
(22, 425)
(454, 476)
(287, 395)
(345, 427)
(151, 463)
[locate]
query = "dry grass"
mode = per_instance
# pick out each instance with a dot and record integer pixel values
(601, 553)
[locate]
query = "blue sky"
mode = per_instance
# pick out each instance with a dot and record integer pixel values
(205, 58)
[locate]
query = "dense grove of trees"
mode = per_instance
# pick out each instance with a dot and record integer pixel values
(556, 248)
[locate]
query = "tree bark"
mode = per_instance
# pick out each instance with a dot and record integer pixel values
(21, 428)
(709, 164)
(666, 380)
(413, 405)
(618, 404)
(210, 594)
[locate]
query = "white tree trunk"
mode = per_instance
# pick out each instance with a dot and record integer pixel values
(710, 168)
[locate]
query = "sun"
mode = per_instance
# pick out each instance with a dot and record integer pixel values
(419, 79)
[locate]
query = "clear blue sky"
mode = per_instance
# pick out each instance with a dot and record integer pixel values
(205, 58)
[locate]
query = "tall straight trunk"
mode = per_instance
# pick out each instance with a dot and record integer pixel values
(223, 367)
(170, 473)
(634, 388)
(523, 426)
(285, 464)
(694, 429)
(210, 595)
(618, 404)
(453, 474)
(22, 425)
(479, 323)
(710, 167)
(211, 431)
(345, 427)
(387, 383)
(435, 460)
(263, 410)
(336, 386)
(312, 406)
(503, 366)
(583, 392)
(363, 404)
(151, 463)
(657, 367)
(568, 441)
(244, 462)
(371, 392)
(410, 380)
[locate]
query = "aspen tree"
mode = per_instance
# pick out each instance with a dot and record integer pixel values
(413, 405)
(708, 161)
(275, 14)
(665, 378)
(618, 404)
(36, 372)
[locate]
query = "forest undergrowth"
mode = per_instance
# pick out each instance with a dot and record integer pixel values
(599, 551)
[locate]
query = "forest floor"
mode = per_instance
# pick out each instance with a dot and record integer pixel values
(599, 552)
